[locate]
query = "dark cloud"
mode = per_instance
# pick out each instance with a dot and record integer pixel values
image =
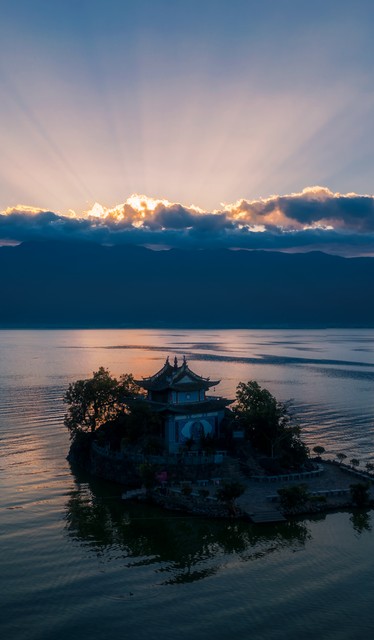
(41, 226)
(174, 217)
(315, 218)
(313, 206)
(352, 212)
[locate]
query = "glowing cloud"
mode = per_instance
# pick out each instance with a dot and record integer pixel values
(313, 218)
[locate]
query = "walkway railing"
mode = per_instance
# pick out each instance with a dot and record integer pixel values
(286, 477)
(323, 493)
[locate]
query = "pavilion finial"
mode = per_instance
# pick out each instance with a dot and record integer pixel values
(175, 362)
(167, 360)
(184, 360)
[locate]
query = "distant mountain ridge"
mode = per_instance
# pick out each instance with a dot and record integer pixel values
(68, 284)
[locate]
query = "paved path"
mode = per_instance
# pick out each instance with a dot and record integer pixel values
(254, 500)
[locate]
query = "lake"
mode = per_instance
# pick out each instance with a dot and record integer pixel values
(76, 562)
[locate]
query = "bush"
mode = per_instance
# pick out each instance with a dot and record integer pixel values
(229, 491)
(293, 498)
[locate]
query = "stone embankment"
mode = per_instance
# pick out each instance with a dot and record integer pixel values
(196, 505)
(332, 483)
(260, 500)
(124, 468)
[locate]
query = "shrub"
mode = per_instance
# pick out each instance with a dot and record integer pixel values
(229, 491)
(293, 498)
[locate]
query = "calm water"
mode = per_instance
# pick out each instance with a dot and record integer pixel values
(77, 563)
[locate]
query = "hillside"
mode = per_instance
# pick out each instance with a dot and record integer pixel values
(89, 285)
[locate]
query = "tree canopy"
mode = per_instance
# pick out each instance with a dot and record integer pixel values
(113, 408)
(98, 399)
(268, 424)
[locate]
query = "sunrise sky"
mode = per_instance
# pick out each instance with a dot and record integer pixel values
(233, 123)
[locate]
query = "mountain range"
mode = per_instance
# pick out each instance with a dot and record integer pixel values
(80, 284)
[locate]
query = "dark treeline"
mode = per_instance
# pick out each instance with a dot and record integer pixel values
(88, 285)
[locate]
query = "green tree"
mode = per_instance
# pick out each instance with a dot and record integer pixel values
(355, 462)
(319, 450)
(341, 457)
(229, 492)
(95, 400)
(142, 427)
(369, 467)
(267, 423)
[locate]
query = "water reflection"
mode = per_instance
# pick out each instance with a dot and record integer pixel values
(180, 548)
(361, 521)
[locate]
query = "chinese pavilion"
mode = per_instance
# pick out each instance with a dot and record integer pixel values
(188, 413)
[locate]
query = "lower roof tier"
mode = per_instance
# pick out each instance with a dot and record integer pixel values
(205, 406)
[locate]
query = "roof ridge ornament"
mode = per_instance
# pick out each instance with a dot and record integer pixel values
(176, 377)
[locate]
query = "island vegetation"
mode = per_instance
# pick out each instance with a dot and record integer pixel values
(114, 412)
(113, 415)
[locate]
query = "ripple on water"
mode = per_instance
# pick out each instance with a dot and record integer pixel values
(76, 562)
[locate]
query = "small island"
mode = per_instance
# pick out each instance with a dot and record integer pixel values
(166, 440)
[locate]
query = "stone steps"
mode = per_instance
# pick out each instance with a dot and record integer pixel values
(231, 470)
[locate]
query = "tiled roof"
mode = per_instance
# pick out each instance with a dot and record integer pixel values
(179, 378)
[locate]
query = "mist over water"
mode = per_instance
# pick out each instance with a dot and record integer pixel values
(77, 562)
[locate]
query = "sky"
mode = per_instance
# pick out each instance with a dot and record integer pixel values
(235, 123)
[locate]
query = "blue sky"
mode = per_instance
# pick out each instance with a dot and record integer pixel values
(204, 103)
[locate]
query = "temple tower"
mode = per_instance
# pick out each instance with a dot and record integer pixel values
(188, 413)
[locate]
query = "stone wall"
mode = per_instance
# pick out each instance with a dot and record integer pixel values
(194, 505)
(119, 470)
(117, 467)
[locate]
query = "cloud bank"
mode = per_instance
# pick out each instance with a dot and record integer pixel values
(315, 218)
